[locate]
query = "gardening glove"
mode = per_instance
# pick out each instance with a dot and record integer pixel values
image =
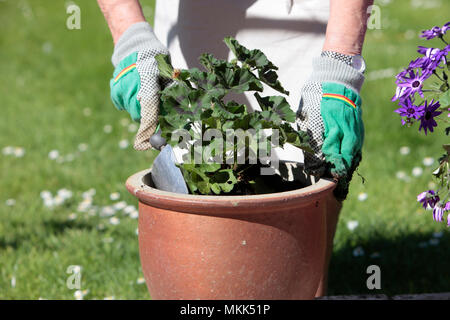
(330, 112)
(136, 83)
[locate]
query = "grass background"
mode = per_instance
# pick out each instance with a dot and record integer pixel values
(54, 95)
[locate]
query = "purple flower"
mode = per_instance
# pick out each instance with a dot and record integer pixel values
(432, 58)
(428, 198)
(435, 32)
(409, 110)
(408, 86)
(438, 213)
(427, 120)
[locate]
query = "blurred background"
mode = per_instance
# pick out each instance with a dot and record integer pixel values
(66, 153)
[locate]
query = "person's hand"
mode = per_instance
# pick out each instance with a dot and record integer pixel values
(136, 83)
(330, 112)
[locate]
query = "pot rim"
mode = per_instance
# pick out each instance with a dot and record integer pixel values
(216, 205)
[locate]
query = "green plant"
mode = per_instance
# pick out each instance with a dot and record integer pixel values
(196, 102)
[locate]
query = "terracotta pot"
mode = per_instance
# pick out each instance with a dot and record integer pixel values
(268, 246)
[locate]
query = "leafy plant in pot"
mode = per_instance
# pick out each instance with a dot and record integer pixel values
(240, 234)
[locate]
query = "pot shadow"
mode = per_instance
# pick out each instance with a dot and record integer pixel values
(411, 264)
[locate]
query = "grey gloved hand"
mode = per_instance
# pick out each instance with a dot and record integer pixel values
(330, 112)
(136, 83)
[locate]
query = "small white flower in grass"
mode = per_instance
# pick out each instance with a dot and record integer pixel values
(19, 152)
(129, 209)
(401, 175)
(109, 298)
(8, 150)
(45, 194)
(124, 122)
(88, 194)
(49, 202)
(123, 144)
(65, 193)
(58, 200)
(13, 282)
(79, 294)
(120, 205)
(428, 161)
(434, 241)
(134, 214)
(87, 112)
(53, 155)
(362, 196)
(438, 234)
(140, 280)
(417, 171)
(132, 127)
(10, 202)
(358, 252)
(352, 225)
(114, 196)
(114, 221)
(72, 216)
(405, 151)
(107, 128)
(82, 147)
(107, 211)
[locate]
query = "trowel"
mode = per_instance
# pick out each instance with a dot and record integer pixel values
(165, 174)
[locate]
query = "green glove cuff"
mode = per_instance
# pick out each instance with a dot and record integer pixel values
(125, 86)
(341, 112)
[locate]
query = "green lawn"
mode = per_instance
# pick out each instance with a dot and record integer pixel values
(54, 95)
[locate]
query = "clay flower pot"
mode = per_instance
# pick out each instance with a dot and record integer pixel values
(269, 246)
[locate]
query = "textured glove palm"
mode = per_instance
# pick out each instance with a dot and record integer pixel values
(136, 84)
(330, 111)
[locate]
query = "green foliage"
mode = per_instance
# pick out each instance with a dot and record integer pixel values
(197, 99)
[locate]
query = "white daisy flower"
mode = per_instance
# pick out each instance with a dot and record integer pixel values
(58, 200)
(49, 202)
(140, 280)
(114, 221)
(65, 193)
(19, 152)
(72, 216)
(129, 209)
(428, 161)
(417, 171)
(10, 202)
(352, 225)
(123, 144)
(134, 214)
(8, 150)
(107, 128)
(120, 205)
(124, 122)
(53, 155)
(45, 194)
(87, 112)
(82, 147)
(114, 196)
(405, 151)
(362, 196)
(107, 211)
